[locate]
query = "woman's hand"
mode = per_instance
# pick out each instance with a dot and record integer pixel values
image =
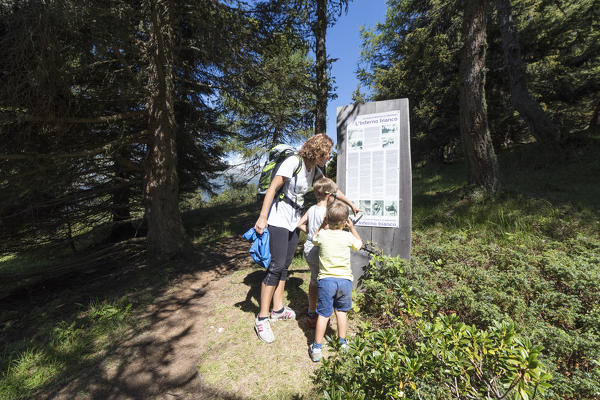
(260, 225)
(341, 196)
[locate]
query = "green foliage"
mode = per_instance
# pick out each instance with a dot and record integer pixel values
(525, 261)
(560, 42)
(276, 106)
(331, 167)
(414, 54)
(442, 358)
(74, 109)
(245, 194)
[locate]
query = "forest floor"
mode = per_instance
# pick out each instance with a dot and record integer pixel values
(190, 335)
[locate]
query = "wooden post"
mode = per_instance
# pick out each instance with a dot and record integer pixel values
(393, 241)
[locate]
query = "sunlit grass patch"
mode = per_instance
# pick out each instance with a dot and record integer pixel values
(60, 346)
(236, 361)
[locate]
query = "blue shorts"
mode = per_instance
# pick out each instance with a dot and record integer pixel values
(334, 293)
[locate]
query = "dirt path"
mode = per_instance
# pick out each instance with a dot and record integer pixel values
(198, 342)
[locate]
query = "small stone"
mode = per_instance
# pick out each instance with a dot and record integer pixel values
(220, 330)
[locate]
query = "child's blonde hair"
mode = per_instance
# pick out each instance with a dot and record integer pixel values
(337, 214)
(324, 186)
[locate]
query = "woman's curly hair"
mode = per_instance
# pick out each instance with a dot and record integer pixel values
(316, 147)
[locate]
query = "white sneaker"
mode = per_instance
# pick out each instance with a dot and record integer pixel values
(263, 330)
(287, 313)
(315, 354)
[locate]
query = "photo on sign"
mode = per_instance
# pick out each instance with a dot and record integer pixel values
(391, 208)
(355, 140)
(377, 208)
(388, 135)
(365, 205)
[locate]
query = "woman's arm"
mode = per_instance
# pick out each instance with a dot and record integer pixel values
(261, 222)
(341, 196)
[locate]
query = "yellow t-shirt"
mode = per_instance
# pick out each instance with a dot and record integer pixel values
(334, 253)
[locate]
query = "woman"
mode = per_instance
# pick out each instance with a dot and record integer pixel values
(281, 215)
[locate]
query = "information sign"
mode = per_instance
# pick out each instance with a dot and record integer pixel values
(373, 167)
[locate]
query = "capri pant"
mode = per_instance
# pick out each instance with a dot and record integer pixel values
(282, 244)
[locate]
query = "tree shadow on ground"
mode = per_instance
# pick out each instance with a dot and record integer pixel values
(156, 357)
(250, 303)
(298, 299)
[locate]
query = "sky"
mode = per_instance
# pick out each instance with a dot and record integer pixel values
(343, 42)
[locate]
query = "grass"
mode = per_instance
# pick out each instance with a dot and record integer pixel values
(244, 366)
(60, 346)
(44, 346)
(247, 368)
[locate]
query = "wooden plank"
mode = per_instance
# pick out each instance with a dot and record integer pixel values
(402, 240)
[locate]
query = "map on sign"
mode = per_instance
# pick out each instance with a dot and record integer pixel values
(373, 167)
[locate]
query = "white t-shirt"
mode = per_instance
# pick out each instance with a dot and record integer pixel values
(316, 215)
(281, 213)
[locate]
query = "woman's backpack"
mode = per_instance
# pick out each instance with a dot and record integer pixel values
(277, 155)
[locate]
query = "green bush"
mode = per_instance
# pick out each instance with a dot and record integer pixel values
(546, 290)
(443, 358)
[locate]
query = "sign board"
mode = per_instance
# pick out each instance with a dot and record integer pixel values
(373, 167)
(374, 171)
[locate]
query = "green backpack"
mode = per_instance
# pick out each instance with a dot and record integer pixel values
(277, 155)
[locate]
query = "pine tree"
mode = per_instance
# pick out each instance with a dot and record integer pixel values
(166, 235)
(538, 122)
(482, 166)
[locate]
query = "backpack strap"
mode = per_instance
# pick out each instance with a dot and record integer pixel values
(291, 202)
(280, 196)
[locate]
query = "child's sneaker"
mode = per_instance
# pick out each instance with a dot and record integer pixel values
(263, 330)
(343, 345)
(311, 320)
(287, 313)
(315, 353)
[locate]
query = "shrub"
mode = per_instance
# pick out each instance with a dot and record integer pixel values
(547, 293)
(444, 358)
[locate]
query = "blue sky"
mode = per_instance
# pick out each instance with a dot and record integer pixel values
(344, 43)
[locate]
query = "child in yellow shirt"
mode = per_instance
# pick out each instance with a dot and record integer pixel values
(335, 274)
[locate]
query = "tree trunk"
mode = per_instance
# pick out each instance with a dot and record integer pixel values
(320, 31)
(166, 235)
(482, 166)
(538, 122)
(595, 120)
(122, 228)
